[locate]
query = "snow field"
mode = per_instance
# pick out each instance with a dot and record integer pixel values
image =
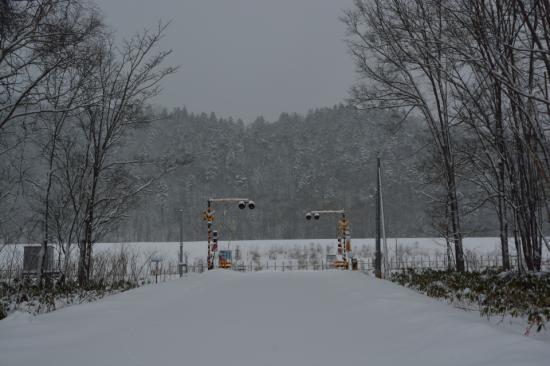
(362, 248)
(416, 246)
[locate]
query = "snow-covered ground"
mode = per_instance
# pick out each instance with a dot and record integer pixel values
(415, 246)
(266, 318)
(283, 251)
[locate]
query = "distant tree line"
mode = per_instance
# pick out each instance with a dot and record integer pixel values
(323, 160)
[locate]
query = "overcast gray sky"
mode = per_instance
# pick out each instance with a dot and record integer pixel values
(245, 58)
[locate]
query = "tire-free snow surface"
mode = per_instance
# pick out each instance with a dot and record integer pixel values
(265, 318)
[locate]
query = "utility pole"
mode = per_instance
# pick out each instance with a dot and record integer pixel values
(378, 253)
(180, 261)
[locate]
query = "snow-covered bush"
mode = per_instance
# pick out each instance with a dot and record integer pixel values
(493, 292)
(114, 271)
(28, 296)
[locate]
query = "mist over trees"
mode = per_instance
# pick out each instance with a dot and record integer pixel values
(324, 160)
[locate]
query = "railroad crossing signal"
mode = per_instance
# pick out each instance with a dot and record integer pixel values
(344, 237)
(343, 225)
(209, 217)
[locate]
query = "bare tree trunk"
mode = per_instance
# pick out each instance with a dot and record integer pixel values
(82, 279)
(455, 222)
(500, 178)
(44, 250)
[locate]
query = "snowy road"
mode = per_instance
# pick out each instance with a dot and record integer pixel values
(252, 319)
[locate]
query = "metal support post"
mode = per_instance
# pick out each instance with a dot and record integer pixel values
(180, 260)
(378, 253)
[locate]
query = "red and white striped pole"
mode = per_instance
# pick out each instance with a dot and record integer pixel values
(209, 219)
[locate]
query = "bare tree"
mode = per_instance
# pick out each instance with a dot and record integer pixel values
(64, 91)
(502, 87)
(480, 97)
(124, 78)
(36, 38)
(398, 50)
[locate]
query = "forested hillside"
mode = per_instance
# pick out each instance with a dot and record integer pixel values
(324, 160)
